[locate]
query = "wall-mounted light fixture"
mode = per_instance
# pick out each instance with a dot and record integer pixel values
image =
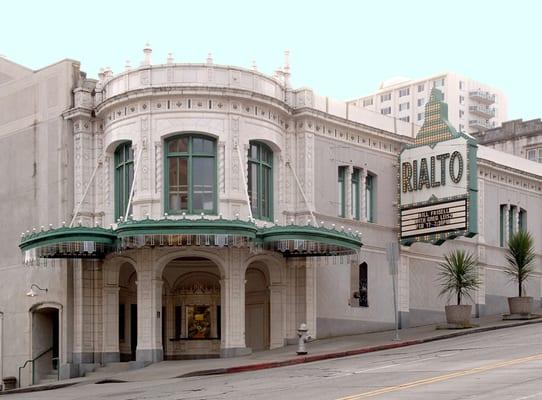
(32, 293)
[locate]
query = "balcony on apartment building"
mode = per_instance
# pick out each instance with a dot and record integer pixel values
(482, 96)
(482, 111)
(481, 124)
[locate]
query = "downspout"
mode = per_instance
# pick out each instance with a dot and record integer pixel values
(136, 168)
(245, 185)
(309, 205)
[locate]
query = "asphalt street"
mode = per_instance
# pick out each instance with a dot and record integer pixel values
(497, 365)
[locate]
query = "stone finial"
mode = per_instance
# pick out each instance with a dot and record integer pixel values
(147, 51)
(127, 65)
(101, 74)
(170, 59)
(254, 66)
(286, 68)
(108, 72)
(209, 58)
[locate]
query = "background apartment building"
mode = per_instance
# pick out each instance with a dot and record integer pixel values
(472, 106)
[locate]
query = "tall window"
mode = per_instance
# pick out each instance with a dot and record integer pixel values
(502, 225)
(522, 219)
(124, 177)
(341, 174)
(190, 174)
(369, 198)
(363, 285)
(260, 180)
(355, 193)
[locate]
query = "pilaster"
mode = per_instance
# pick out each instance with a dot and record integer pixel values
(149, 310)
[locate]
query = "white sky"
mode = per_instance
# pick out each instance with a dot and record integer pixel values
(342, 49)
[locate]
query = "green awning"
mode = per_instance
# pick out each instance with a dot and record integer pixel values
(309, 241)
(95, 242)
(66, 242)
(217, 232)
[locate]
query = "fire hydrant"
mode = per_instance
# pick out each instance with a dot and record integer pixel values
(303, 338)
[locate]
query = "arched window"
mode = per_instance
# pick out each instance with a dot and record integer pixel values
(124, 177)
(363, 285)
(190, 175)
(260, 180)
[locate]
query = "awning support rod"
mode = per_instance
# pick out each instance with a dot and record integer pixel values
(136, 168)
(309, 205)
(86, 192)
(245, 185)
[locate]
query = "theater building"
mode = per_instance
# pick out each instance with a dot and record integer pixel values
(177, 211)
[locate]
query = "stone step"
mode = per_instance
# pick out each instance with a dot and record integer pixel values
(111, 369)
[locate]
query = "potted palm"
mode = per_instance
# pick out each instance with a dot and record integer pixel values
(520, 258)
(458, 277)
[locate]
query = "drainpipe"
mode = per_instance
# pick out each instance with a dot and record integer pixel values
(1, 351)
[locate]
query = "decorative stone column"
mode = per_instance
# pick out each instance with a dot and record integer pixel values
(232, 291)
(310, 294)
(87, 317)
(149, 310)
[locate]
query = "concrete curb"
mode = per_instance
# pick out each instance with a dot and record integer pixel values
(353, 352)
(30, 389)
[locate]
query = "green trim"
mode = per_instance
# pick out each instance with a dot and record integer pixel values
(310, 233)
(261, 166)
(190, 155)
(66, 235)
(187, 226)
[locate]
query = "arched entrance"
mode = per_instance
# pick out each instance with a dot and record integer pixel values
(46, 320)
(257, 308)
(191, 324)
(127, 312)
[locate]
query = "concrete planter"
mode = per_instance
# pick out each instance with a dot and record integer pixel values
(458, 315)
(520, 305)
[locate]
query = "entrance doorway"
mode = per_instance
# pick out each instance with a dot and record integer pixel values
(191, 309)
(45, 342)
(256, 309)
(127, 312)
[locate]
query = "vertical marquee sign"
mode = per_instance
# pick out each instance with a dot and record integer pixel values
(437, 180)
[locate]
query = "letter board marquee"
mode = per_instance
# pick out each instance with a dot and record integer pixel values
(437, 181)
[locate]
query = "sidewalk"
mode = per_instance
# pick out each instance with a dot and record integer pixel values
(317, 350)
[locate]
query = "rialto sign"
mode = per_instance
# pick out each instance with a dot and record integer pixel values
(438, 182)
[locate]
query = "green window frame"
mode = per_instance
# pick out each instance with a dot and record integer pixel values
(370, 198)
(260, 180)
(341, 191)
(190, 178)
(356, 173)
(522, 217)
(124, 177)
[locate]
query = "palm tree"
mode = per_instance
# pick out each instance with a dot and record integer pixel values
(520, 256)
(458, 274)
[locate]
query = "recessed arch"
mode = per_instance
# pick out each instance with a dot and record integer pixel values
(162, 261)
